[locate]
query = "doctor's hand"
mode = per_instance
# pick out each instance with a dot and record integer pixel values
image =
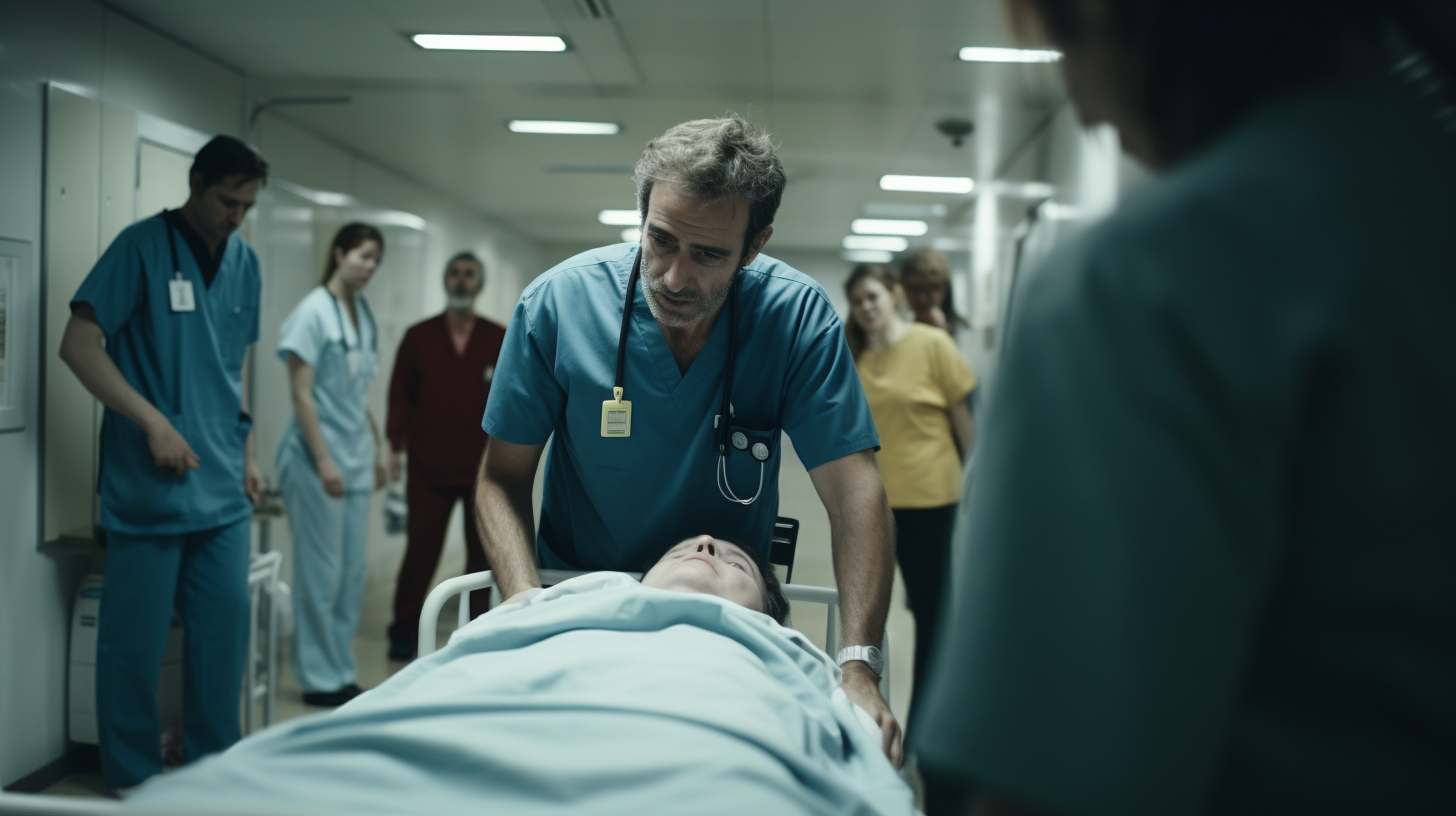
(253, 483)
(331, 477)
(862, 688)
(381, 474)
(170, 450)
(394, 466)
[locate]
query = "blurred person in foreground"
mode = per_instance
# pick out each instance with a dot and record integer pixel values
(1209, 561)
(916, 385)
(437, 394)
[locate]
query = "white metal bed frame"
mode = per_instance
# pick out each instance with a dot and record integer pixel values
(465, 584)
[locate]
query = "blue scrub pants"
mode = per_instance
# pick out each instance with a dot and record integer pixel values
(205, 574)
(329, 571)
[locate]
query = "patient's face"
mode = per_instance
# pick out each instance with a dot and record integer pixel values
(711, 566)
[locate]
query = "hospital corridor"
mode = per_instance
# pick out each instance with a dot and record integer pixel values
(936, 407)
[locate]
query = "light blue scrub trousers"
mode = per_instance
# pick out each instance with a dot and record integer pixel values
(329, 571)
(205, 574)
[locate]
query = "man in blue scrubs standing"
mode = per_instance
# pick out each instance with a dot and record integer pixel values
(159, 333)
(648, 447)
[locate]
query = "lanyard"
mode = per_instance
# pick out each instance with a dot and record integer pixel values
(172, 242)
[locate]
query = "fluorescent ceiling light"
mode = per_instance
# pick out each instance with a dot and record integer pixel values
(619, 218)
(978, 54)
(569, 128)
(867, 256)
(902, 209)
(888, 243)
(489, 42)
(958, 185)
(885, 226)
(632, 234)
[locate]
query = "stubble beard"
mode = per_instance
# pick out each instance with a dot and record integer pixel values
(706, 306)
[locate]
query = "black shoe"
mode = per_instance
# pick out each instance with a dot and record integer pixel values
(329, 699)
(401, 652)
(325, 698)
(351, 691)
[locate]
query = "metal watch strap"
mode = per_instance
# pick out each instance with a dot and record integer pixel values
(867, 654)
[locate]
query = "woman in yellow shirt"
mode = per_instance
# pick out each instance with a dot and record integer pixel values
(916, 385)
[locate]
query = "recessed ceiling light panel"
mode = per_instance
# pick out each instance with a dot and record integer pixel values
(979, 54)
(867, 256)
(619, 218)
(632, 234)
(563, 127)
(489, 42)
(886, 226)
(956, 185)
(887, 243)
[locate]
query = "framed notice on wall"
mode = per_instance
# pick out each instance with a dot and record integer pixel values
(16, 308)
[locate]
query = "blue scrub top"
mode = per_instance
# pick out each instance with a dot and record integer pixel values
(319, 331)
(187, 364)
(614, 503)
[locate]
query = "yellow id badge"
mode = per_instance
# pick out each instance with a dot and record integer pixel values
(617, 416)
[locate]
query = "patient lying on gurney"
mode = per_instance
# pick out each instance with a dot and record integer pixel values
(681, 694)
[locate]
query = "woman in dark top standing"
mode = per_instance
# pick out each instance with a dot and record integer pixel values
(1210, 564)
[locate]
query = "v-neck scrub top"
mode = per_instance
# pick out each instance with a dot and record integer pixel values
(612, 503)
(320, 333)
(187, 364)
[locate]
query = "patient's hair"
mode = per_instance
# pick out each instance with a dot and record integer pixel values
(775, 605)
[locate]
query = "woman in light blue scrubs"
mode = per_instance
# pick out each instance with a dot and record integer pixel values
(327, 463)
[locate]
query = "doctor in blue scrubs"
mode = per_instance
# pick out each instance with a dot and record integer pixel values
(328, 463)
(175, 301)
(667, 374)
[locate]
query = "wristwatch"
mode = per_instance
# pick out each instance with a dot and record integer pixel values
(869, 654)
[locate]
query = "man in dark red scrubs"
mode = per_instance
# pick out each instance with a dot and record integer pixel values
(437, 395)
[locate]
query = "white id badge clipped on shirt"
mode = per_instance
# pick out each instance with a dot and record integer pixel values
(354, 359)
(617, 416)
(181, 292)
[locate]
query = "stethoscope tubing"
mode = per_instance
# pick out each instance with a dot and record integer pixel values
(720, 423)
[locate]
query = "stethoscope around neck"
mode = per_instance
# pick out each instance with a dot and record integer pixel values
(351, 354)
(726, 437)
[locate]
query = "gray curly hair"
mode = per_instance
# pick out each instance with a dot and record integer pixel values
(728, 157)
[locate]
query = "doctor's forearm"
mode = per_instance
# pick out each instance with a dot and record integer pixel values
(863, 543)
(83, 352)
(504, 518)
(862, 537)
(306, 413)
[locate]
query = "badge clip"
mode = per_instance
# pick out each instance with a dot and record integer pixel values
(616, 415)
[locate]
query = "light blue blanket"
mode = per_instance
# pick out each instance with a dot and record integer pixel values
(596, 696)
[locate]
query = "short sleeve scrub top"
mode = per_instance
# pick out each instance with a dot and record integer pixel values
(614, 503)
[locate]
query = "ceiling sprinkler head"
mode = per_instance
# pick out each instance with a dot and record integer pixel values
(955, 129)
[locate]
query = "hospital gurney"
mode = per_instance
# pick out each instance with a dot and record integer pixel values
(465, 584)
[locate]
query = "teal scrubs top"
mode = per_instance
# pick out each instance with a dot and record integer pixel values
(187, 364)
(344, 360)
(614, 503)
(1208, 563)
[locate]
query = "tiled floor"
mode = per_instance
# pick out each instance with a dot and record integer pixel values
(813, 566)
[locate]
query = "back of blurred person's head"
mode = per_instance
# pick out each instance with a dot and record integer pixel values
(1173, 74)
